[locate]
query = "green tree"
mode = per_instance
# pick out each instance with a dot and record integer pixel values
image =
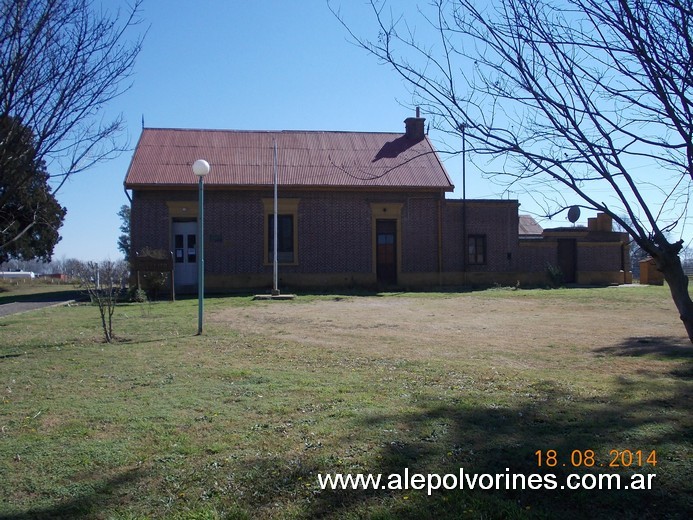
(30, 216)
(593, 98)
(124, 239)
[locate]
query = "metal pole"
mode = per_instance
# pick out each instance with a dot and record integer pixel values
(275, 288)
(201, 259)
(465, 252)
(464, 163)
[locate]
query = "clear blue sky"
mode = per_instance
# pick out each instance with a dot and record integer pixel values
(230, 64)
(244, 65)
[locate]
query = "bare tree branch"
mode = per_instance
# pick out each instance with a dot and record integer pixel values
(61, 63)
(573, 96)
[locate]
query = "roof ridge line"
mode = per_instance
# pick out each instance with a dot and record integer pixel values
(230, 130)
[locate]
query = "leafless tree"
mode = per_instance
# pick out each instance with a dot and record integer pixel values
(588, 97)
(61, 62)
(104, 282)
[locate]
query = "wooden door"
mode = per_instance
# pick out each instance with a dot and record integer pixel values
(567, 259)
(386, 253)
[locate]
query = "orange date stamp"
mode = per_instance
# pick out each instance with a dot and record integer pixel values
(590, 459)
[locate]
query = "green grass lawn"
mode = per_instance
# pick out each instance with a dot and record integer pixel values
(238, 424)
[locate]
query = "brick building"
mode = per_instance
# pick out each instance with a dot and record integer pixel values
(355, 209)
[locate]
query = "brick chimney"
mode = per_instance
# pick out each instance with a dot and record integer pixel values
(414, 127)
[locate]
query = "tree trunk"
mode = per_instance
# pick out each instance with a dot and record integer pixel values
(669, 264)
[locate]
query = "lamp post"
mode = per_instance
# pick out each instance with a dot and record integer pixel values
(200, 168)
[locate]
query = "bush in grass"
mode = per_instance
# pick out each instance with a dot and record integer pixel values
(104, 282)
(555, 275)
(151, 281)
(137, 295)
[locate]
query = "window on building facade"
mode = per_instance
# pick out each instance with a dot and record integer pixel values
(287, 230)
(285, 238)
(476, 249)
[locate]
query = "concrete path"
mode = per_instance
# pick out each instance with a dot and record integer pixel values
(40, 301)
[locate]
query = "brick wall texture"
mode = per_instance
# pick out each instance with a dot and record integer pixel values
(335, 232)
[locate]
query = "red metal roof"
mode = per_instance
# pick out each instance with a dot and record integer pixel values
(164, 157)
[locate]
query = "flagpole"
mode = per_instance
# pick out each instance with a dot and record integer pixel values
(275, 286)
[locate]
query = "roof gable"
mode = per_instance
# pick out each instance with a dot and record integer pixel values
(164, 157)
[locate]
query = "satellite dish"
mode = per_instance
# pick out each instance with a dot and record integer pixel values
(574, 214)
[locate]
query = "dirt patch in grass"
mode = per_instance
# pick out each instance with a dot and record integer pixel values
(462, 327)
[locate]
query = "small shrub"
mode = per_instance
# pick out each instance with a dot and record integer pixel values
(103, 282)
(137, 295)
(153, 283)
(555, 275)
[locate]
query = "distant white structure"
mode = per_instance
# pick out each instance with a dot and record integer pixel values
(5, 275)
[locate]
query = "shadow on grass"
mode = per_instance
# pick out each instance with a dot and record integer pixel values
(656, 347)
(443, 435)
(84, 505)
